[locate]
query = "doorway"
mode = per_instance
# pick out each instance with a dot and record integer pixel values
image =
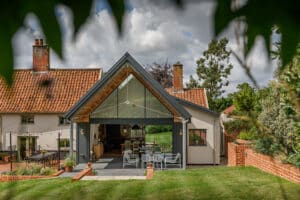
(27, 146)
(114, 140)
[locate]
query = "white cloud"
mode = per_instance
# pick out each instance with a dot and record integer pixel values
(152, 33)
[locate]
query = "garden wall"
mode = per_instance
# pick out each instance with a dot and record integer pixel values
(240, 154)
(6, 178)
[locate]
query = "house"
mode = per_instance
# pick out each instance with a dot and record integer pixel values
(102, 110)
(32, 109)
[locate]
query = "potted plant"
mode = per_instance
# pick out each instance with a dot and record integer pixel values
(69, 163)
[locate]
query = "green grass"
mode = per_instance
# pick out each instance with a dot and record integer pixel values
(159, 138)
(204, 183)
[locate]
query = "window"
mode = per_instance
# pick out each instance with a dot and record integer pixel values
(131, 100)
(64, 143)
(63, 121)
(197, 137)
(27, 119)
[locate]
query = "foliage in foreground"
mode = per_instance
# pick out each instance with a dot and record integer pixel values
(205, 183)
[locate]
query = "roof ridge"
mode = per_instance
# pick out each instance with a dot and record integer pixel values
(61, 69)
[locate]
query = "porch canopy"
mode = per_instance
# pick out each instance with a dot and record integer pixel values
(126, 94)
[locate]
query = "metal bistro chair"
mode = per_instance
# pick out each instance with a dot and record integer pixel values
(173, 159)
(158, 160)
(130, 159)
(146, 158)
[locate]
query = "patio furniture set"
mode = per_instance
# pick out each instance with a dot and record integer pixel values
(159, 160)
(47, 158)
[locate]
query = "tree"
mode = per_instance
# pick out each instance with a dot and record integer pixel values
(162, 73)
(245, 99)
(193, 83)
(213, 68)
(223, 103)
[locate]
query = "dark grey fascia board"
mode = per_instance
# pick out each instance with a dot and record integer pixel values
(146, 121)
(136, 66)
(96, 86)
(188, 103)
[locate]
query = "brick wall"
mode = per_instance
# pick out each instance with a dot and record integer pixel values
(236, 153)
(6, 178)
(268, 164)
(240, 154)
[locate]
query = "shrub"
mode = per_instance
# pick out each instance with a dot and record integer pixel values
(46, 171)
(236, 125)
(252, 134)
(266, 146)
(294, 159)
(69, 162)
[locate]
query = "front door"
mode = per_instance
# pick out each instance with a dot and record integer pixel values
(27, 146)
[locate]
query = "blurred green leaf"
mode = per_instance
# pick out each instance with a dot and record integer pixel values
(260, 17)
(118, 11)
(10, 24)
(81, 11)
(46, 13)
(223, 16)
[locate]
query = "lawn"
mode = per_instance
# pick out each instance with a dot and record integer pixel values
(204, 183)
(159, 138)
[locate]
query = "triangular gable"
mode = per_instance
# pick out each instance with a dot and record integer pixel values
(102, 89)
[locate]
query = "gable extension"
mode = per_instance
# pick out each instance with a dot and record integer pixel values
(112, 79)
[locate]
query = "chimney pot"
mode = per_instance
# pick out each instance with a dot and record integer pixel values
(36, 42)
(40, 57)
(41, 42)
(178, 77)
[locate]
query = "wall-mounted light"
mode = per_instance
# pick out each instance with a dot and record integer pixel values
(82, 131)
(180, 132)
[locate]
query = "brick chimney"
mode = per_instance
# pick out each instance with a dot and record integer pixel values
(178, 77)
(40, 57)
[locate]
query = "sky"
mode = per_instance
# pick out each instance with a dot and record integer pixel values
(154, 31)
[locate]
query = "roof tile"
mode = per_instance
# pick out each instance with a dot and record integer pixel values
(52, 92)
(194, 95)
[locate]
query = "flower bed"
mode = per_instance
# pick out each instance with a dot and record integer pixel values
(6, 178)
(29, 172)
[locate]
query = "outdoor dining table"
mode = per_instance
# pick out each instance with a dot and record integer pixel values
(152, 158)
(42, 157)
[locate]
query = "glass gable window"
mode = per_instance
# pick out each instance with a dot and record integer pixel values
(108, 109)
(131, 100)
(154, 109)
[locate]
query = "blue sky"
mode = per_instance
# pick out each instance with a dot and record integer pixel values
(153, 32)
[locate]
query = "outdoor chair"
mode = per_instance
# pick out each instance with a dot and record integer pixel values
(158, 160)
(173, 159)
(146, 158)
(135, 147)
(127, 144)
(130, 159)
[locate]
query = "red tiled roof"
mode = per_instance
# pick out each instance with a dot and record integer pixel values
(194, 95)
(229, 110)
(52, 92)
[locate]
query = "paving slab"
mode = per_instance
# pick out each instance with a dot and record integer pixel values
(107, 178)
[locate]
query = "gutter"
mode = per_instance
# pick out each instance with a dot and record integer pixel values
(184, 127)
(214, 145)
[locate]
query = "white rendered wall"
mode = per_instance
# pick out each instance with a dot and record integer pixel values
(46, 128)
(209, 154)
